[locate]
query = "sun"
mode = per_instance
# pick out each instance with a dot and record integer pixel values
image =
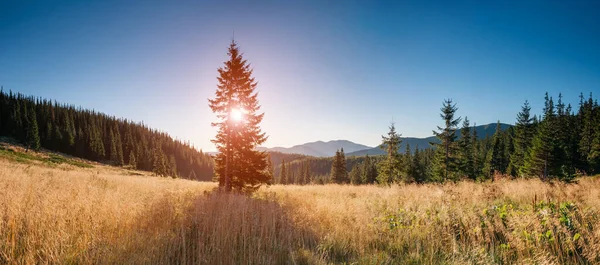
(237, 114)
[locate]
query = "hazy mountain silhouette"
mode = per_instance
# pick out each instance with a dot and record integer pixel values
(325, 149)
(320, 148)
(482, 132)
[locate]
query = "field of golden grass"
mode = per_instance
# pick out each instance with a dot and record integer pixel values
(72, 215)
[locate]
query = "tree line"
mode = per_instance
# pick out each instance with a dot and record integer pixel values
(560, 144)
(41, 123)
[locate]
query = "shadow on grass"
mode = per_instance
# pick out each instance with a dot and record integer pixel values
(217, 229)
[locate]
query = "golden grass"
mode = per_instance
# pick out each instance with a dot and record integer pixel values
(70, 215)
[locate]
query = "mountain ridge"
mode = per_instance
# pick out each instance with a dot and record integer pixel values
(326, 149)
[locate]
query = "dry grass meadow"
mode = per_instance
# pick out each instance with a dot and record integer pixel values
(64, 214)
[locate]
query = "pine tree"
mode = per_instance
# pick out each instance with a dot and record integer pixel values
(369, 171)
(539, 157)
(68, 133)
(238, 166)
(594, 155)
(355, 174)
(33, 137)
(407, 165)
(390, 168)
(586, 115)
(173, 166)
(339, 173)
(283, 174)
(309, 176)
(270, 169)
(508, 152)
(445, 165)
(159, 165)
(465, 151)
(523, 138)
(114, 157)
(418, 167)
(476, 155)
(132, 161)
(494, 157)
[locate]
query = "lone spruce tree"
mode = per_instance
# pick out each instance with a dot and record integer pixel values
(445, 160)
(238, 166)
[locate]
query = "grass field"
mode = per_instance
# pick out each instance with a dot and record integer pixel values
(65, 213)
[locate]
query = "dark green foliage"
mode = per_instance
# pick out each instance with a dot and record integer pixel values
(495, 157)
(283, 178)
(390, 168)
(465, 151)
(524, 131)
(33, 137)
(132, 162)
(339, 172)
(356, 174)
(446, 163)
(91, 135)
(369, 171)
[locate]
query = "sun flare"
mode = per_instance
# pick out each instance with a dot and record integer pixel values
(237, 114)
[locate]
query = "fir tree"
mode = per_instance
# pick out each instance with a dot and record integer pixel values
(494, 157)
(446, 165)
(270, 169)
(390, 168)
(523, 138)
(238, 166)
(476, 155)
(283, 174)
(173, 166)
(33, 137)
(159, 165)
(508, 151)
(339, 173)
(594, 155)
(369, 171)
(418, 170)
(114, 157)
(586, 115)
(132, 161)
(540, 156)
(355, 174)
(465, 152)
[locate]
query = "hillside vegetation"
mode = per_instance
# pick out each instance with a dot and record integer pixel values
(64, 214)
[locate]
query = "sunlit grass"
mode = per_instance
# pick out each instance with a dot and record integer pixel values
(65, 214)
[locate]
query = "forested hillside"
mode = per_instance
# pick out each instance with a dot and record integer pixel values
(561, 143)
(99, 137)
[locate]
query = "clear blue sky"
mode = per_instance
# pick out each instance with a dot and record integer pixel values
(326, 69)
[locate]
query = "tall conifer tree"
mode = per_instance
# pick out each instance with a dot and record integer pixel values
(238, 166)
(523, 138)
(33, 137)
(465, 155)
(445, 164)
(390, 167)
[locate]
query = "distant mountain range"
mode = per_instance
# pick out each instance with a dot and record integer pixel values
(326, 149)
(320, 148)
(483, 131)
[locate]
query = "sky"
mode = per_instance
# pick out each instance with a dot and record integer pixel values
(327, 70)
